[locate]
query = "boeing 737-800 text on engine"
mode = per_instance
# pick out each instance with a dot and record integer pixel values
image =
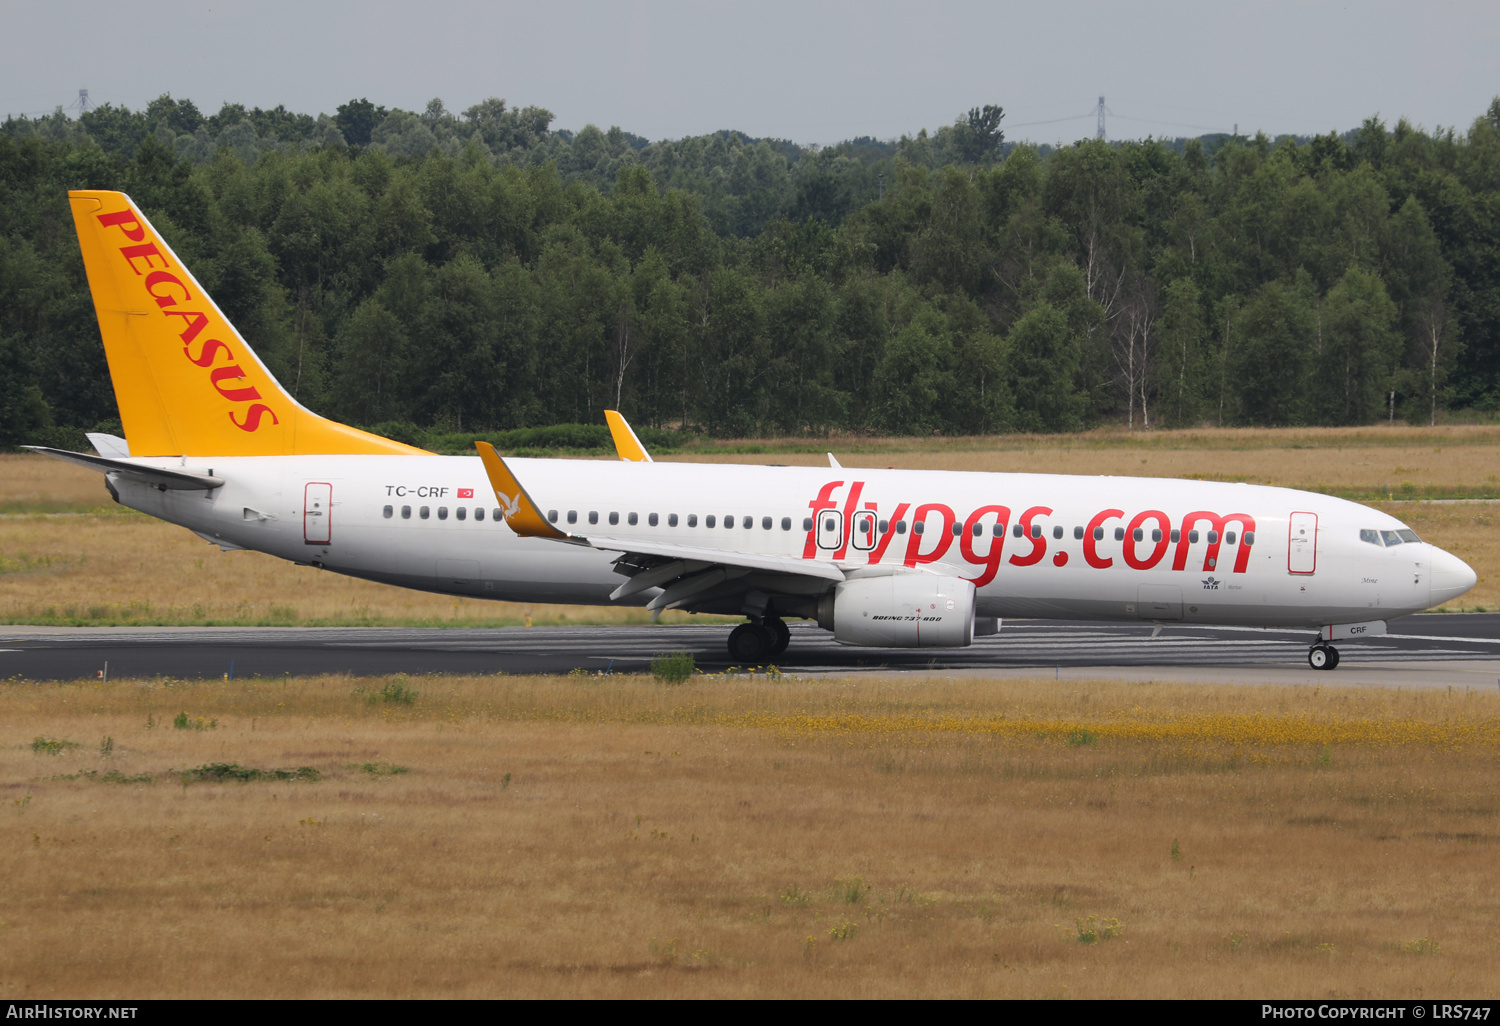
(892, 558)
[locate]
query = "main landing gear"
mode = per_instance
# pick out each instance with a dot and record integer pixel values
(1322, 657)
(759, 640)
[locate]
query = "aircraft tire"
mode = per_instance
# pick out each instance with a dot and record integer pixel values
(750, 643)
(1322, 657)
(1333, 657)
(780, 633)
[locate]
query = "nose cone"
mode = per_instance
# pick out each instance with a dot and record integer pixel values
(1450, 576)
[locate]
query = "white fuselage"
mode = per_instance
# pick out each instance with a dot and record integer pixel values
(429, 522)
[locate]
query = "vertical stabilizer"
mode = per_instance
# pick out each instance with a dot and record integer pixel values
(185, 381)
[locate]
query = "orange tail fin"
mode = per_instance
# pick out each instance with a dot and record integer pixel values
(186, 382)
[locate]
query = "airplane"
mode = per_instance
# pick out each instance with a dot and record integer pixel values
(881, 558)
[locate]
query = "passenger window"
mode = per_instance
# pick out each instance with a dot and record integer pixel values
(807, 523)
(1156, 535)
(552, 516)
(1408, 535)
(765, 523)
(1138, 534)
(593, 516)
(1176, 535)
(572, 516)
(1017, 530)
(786, 523)
(405, 512)
(901, 527)
(692, 520)
(424, 512)
(388, 512)
(1249, 537)
(498, 514)
(747, 522)
(614, 518)
(1390, 538)
(1057, 532)
(728, 522)
(632, 519)
(671, 519)
(442, 512)
(710, 520)
(958, 528)
(1229, 538)
(462, 513)
(652, 520)
(998, 530)
(1193, 537)
(1213, 537)
(979, 529)
(1098, 534)
(1077, 534)
(918, 526)
(1119, 534)
(885, 527)
(1036, 530)
(479, 513)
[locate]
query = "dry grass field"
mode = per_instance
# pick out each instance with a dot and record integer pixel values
(732, 837)
(68, 555)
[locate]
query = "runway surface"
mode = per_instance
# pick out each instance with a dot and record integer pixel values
(1432, 650)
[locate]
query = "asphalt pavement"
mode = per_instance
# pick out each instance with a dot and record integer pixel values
(1464, 642)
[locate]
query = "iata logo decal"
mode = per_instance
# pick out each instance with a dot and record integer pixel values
(169, 292)
(1210, 585)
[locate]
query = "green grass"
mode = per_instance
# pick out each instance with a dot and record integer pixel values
(673, 667)
(225, 772)
(44, 745)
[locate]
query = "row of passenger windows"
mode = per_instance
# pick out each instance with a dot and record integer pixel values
(425, 513)
(832, 524)
(883, 527)
(1386, 539)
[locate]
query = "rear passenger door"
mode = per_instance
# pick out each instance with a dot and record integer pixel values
(317, 513)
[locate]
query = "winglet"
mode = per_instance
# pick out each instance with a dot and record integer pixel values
(626, 444)
(521, 514)
(833, 463)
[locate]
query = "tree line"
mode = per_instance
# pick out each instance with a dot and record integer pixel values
(481, 271)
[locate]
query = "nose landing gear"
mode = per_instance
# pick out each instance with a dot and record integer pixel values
(1322, 657)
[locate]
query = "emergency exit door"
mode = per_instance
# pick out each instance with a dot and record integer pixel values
(317, 509)
(1302, 543)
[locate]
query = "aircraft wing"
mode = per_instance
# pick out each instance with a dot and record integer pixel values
(164, 479)
(627, 446)
(683, 572)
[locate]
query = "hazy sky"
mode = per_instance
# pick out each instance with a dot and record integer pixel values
(806, 70)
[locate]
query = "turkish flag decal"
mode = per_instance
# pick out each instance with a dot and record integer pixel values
(466, 493)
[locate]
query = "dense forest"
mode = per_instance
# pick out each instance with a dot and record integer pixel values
(429, 271)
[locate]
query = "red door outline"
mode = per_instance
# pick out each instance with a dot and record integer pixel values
(1308, 522)
(317, 513)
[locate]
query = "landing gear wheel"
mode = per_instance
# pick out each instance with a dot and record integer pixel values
(751, 643)
(781, 634)
(1322, 657)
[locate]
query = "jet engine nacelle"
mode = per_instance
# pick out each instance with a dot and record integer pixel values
(901, 611)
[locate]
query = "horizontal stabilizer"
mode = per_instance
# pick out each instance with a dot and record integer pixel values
(108, 445)
(166, 479)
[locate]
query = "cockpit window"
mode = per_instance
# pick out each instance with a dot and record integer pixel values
(1408, 535)
(1390, 538)
(1373, 537)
